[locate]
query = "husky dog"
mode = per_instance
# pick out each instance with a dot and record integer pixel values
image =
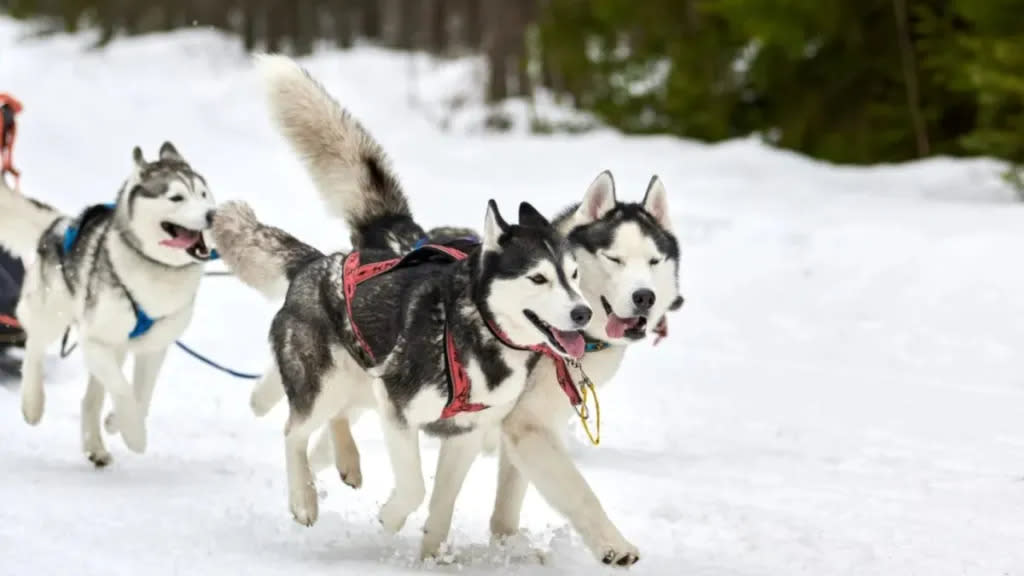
(629, 264)
(124, 274)
(445, 346)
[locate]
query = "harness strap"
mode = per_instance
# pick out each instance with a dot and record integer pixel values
(354, 274)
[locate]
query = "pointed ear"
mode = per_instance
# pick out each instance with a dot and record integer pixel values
(656, 203)
(169, 152)
(599, 199)
(494, 227)
(529, 216)
(140, 162)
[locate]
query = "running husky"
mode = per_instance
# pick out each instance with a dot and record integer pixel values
(445, 338)
(124, 274)
(628, 259)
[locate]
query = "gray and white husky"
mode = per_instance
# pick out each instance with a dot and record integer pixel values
(406, 340)
(628, 260)
(125, 275)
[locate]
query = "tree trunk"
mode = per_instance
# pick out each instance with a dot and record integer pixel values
(341, 13)
(910, 78)
(438, 26)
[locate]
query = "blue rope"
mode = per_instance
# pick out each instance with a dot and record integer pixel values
(212, 364)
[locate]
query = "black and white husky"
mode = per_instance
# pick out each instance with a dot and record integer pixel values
(628, 260)
(125, 275)
(444, 343)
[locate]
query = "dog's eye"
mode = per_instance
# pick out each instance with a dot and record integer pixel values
(613, 258)
(538, 279)
(177, 198)
(654, 261)
(575, 273)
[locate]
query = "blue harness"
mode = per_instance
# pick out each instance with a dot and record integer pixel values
(143, 321)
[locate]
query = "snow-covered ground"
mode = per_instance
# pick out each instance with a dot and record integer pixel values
(842, 394)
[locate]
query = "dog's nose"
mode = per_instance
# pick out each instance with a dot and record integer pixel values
(209, 217)
(643, 299)
(581, 315)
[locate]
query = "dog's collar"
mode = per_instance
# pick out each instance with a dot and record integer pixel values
(595, 345)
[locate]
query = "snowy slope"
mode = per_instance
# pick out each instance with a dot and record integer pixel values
(842, 393)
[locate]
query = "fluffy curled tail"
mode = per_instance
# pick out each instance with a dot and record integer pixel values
(264, 257)
(22, 222)
(350, 170)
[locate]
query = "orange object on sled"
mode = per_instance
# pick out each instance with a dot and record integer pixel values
(10, 107)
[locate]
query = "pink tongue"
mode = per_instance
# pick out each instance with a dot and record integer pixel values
(616, 327)
(572, 342)
(183, 240)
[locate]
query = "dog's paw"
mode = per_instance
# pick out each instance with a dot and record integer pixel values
(626, 555)
(392, 516)
(430, 546)
(304, 505)
(99, 458)
(502, 528)
(32, 403)
(353, 478)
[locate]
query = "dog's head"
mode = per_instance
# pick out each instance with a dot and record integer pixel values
(167, 208)
(629, 259)
(528, 282)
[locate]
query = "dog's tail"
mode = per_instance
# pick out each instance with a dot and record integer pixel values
(23, 222)
(264, 257)
(349, 168)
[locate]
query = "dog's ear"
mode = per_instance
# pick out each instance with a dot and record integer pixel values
(494, 227)
(530, 217)
(140, 161)
(599, 199)
(169, 152)
(656, 203)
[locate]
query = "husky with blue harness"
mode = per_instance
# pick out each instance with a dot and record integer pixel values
(124, 275)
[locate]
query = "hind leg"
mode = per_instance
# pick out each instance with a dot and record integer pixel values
(33, 397)
(346, 453)
(302, 497)
(92, 439)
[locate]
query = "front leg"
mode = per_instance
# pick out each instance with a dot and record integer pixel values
(508, 498)
(404, 451)
(146, 372)
(453, 463)
(543, 459)
(103, 363)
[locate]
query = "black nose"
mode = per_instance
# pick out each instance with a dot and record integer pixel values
(209, 217)
(581, 314)
(643, 299)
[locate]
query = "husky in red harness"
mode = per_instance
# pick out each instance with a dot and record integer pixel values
(445, 337)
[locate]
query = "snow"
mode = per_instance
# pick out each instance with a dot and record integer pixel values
(842, 393)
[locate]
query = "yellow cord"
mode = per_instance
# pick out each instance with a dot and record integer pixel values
(584, 413)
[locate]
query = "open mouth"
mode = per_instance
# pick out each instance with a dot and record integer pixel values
(569, 343)
(191, 241)
(633, 328)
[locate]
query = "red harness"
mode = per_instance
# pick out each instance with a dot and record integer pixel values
(355, 274)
